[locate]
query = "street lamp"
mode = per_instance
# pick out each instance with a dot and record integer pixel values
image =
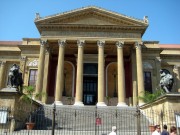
(115, 92)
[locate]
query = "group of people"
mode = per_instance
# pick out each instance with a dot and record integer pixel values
(173, 130)
(157, 131)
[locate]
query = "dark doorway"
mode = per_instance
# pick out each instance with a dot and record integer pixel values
(90, 84)
(90, 90)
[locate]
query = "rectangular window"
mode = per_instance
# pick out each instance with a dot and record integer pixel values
(32, 77)
(3, 115)
(147, 81)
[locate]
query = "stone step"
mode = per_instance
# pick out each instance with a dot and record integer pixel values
(85, 118)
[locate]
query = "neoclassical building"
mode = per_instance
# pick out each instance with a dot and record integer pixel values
(90, 56)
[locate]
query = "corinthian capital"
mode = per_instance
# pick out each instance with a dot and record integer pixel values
(62, 43)
(43, 42)
(176, 67)
(101, 43)
(23, 58)
(2, 63)
(138, 45)
(120, 44)
(80, 43)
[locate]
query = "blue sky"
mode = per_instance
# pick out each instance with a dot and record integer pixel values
(17, 16)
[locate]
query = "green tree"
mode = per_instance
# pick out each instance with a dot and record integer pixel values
(151, 97)
(29, 95)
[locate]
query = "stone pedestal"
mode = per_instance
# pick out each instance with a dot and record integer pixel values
(8, 97)
(165, 106)
(15, 108)
(169, 101)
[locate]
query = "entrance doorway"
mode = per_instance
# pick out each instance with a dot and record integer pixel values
(90, 90)
(90, 84)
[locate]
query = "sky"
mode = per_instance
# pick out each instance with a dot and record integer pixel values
(17, 16)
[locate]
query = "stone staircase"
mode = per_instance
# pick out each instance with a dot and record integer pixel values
(76, 119)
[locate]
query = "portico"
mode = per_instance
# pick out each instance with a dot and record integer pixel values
(85, 45)
(61, 51)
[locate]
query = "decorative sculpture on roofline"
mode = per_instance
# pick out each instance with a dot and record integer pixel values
(15, 77)
(166, 81)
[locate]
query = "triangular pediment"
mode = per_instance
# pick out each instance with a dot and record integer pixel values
(91, 16)
(91, 19)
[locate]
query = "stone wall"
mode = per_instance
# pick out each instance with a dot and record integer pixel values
(18, 110)
(162, 111)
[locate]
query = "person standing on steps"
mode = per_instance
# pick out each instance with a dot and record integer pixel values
(157, 130)
(165, 132)
(113, 131)
(173, 130)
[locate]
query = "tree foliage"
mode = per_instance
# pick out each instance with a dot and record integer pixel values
(151, 97)
(29, 95)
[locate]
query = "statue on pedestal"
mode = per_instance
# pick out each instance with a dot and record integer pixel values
(15, 77)
(166, 81)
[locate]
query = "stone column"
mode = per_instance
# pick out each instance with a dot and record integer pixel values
(46, 74)
(134, 78)
(177, 77)
(23, 65)
(2, 70)
(60, 73)
(101, 73)
(120, 70)
(40, 67)
(158, 68)
(140, 76)
(79, 76)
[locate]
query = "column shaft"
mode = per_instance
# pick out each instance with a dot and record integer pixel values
(158, 68)
(121, 79)
(79, 76)
(140, 76)
(177, 78)
(2, 70)
(23, 65)
(46, 73)
(134, 79)
(40, 68)
(60, 73)
(101, 73)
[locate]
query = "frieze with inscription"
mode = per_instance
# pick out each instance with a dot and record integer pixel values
(91, 34)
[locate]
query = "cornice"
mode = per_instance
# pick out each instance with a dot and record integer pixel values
(29, 47)
(49, 27)
(70, 20)
(93, 10)
(170, 56)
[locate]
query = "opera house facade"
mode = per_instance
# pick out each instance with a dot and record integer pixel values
(90, 55)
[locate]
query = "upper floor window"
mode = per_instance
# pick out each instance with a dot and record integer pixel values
(147, 81)
(32, 77)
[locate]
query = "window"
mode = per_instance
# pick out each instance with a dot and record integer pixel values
(90, 68)
(3, 115)
(32, 77)
(147, 81)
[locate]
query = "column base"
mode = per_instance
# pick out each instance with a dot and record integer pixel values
(58, 102)
(101, 104)
(122, 104)
(78, 103)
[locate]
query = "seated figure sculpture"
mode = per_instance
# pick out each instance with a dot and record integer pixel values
(166, 81)
(15, 77)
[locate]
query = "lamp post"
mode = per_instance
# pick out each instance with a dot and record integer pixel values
(115, 92)
(64, 91)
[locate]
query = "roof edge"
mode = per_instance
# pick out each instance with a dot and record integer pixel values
(39, 19)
